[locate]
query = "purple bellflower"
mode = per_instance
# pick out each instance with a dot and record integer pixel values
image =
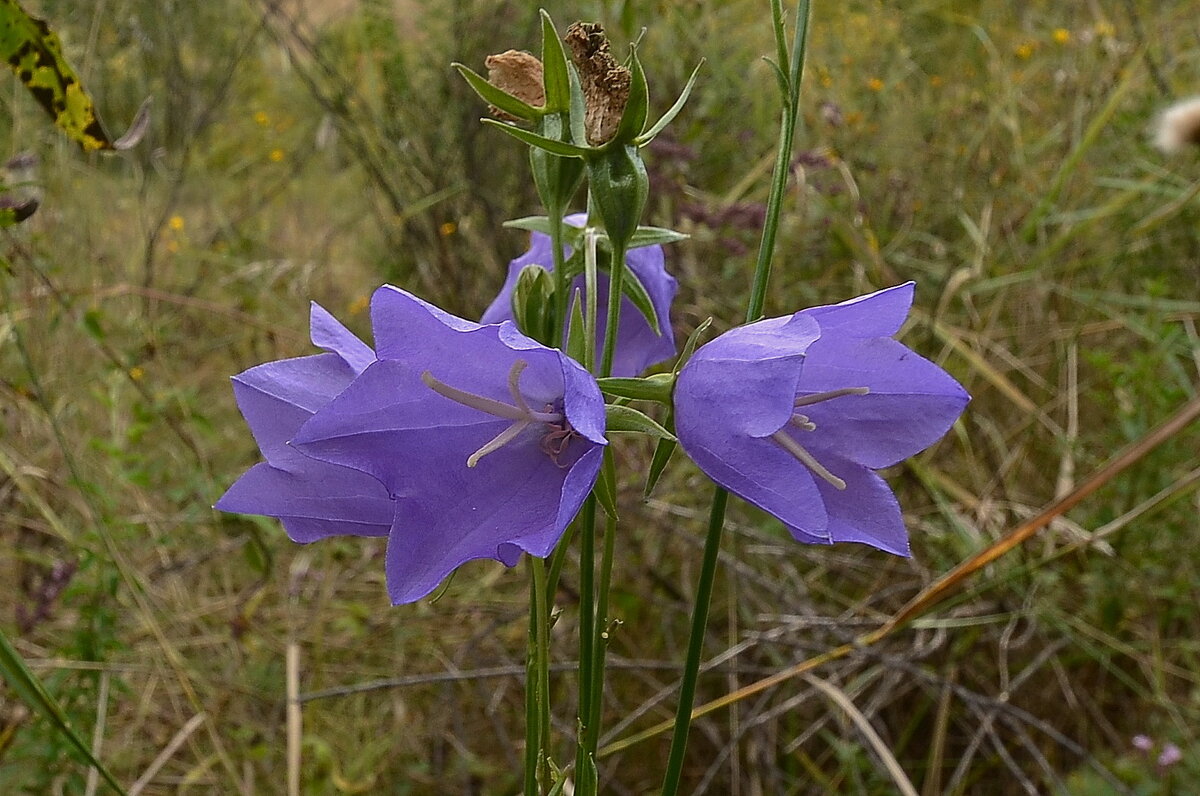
(638, 347)
(796, 414)
(313, 499)
(488, 441)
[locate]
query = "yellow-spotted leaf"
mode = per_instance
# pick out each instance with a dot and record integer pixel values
(35, 54)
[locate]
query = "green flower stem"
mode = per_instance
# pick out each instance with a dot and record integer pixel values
(537, 681)
(615, 294)
(758, 295)
(687, 689)
(587, 618)
(600, 644)
(562, 285)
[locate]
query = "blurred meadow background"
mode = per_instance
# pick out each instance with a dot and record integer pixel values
(998, 153)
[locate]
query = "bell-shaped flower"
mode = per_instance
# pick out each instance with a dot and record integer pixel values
(796, 414)
(638, 345)
(314, 499)
(488, 441)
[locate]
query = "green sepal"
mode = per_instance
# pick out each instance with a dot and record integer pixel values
(652, 388)
(637, 107)
(619, 187)
(626, 419)
(498, 97)
(635, 291)
(561, 148)
(576, 339)
(578, 112)
(655, 236)
(662, 455)
(533, 303)
(556, 178)
(672, 112)
(29, 689)
(690, 346)
(555, 78)
(606, 487)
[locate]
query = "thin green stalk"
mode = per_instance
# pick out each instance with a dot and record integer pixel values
(562, 285)
(615, 287)
(533, 729)
(758, 294)
(587, 619)
(600, 644)
(687, 689)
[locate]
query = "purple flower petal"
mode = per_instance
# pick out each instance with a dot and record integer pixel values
(313, 499)
(912, 403)
(878, 314)
(774, 413)
(638, 346)
(327, 332)
(392, 425)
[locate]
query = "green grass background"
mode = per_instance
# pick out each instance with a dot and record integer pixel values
(997, 153)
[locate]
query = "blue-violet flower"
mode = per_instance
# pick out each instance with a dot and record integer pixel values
(314, 499)
(796, 414)
(488, 441)
(638, 346)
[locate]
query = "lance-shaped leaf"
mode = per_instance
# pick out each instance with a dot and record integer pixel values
(497, 97)
(672, 112)
(556, 78)
(551, 145)
(627, 419)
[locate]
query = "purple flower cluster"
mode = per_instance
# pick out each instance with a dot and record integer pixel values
(459, 440)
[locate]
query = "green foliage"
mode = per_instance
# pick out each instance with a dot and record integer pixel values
(316, 162)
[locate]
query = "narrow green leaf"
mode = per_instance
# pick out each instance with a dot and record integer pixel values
(497, 97)
(606, 486)
(673, 111)
(655, 236)
(658, 463)
(652, 388)
(690, 346)
(31, 691)
(578, 108)
(635, 291)
(561, 148)
(780, 78)
(555, 78)
(626, 419)
(35, 54)
(637, 108)
(576, 339)
(532, 223)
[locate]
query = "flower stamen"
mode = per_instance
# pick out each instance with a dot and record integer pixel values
(521, 414)
(818, 397)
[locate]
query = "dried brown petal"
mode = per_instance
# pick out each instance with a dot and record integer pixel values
(518, 73)
(605, 82)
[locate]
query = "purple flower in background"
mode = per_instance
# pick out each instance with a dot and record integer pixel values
(638, 347)
(488, 441)
(796, 414)
(314, 499)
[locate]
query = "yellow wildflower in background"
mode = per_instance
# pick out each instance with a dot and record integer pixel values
(447, 229)
(875, 84)
(136, 373)
(1024, 51)
(277, 155)
(176, 223)
(262, 119)
(359, 305)
(1061, 35)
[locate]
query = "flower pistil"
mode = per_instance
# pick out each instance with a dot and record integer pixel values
(802, 422)
(555, 441)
